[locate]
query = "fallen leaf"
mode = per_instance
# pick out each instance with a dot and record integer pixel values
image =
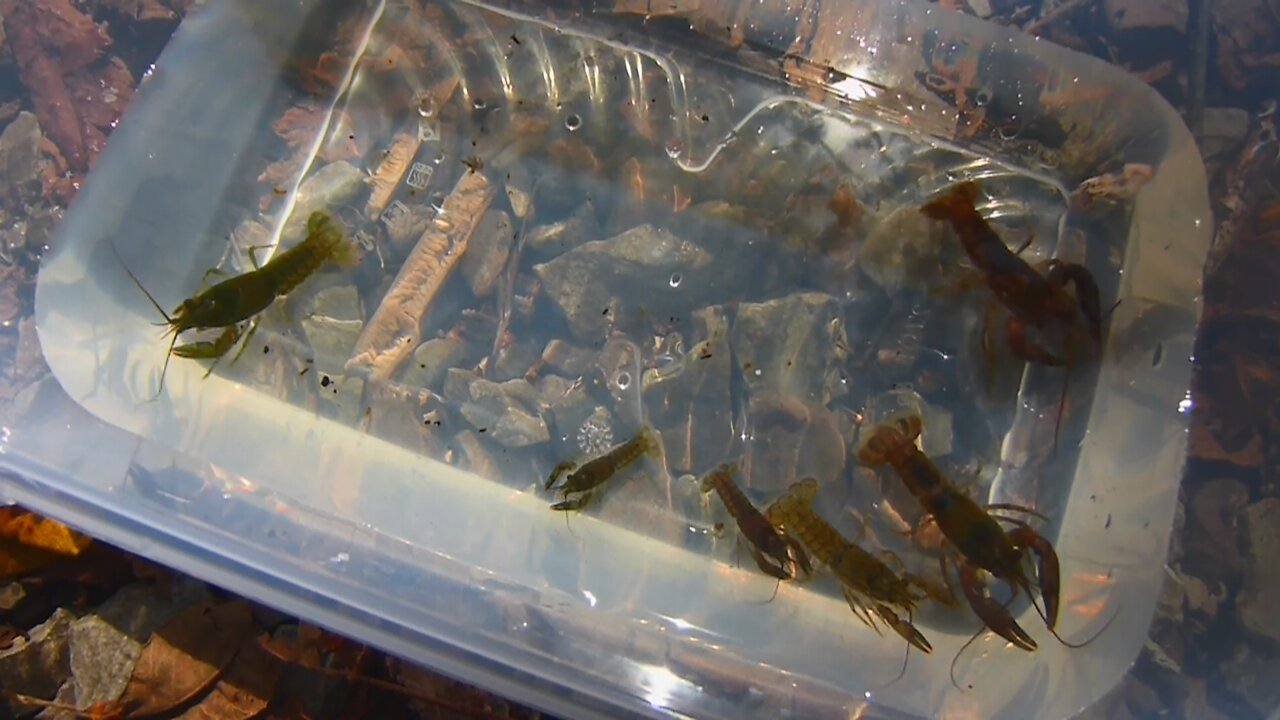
(39, 532)
(245, 689)
(184, 658)
(299, 125)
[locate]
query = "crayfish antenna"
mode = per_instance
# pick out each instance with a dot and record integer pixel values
(167, 320)
(1091, 638)
(960, 652)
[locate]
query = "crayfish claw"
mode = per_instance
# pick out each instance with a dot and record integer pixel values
(903, 628)
(770, 565)
(1047, 569)
(801, 557)
(992, 614)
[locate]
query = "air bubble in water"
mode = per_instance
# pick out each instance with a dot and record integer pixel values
(573, 122)
(676, 280)
(479, 104)
(624, 380)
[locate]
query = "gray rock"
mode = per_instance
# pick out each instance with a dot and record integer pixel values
(457, 385)
(38, 665)
(570, 412)
(433, 359)
(793, 345)
(11, 595)
(904, 248)
(332, 324)
(551, 388)
(105, 645)
(1259, 600)
(687, 397)
(644, 267)
(1224, 128)
(340, 303)
(1122, 15)
(803, 439)
(340, 395)
(514, 361)
(406, 223)
(475, 457)
(102, 659)
(66, 696)
(936, 438)
(20, 151)
(487, 252)
(333, 185)
(560, 237)
(566, 358)
(31, 230)
(519, 187)
(503, 411)
(250, 234)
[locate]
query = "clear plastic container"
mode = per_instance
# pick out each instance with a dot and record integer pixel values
(421, 525)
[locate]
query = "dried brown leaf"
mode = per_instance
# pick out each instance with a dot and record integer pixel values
(298, 126)
(245, 689)
(184, 658)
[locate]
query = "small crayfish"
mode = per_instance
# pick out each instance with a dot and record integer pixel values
(869, 584)
(977, 537)
(769, 545)
(235, 300)
(586, 481)
(1033, 300)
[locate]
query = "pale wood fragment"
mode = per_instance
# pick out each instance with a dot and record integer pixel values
(395, 329)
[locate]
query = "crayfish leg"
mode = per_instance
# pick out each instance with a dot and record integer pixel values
(253, 328)
(801, 557)
(1026, 348)
(860, 610)
(1087, 293)
(559, 470)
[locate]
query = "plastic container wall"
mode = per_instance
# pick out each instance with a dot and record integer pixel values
(477, 578)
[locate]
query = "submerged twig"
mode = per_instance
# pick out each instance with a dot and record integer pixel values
(1201, 23)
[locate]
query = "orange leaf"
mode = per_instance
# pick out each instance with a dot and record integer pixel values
(38, 532)
(185, 657)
